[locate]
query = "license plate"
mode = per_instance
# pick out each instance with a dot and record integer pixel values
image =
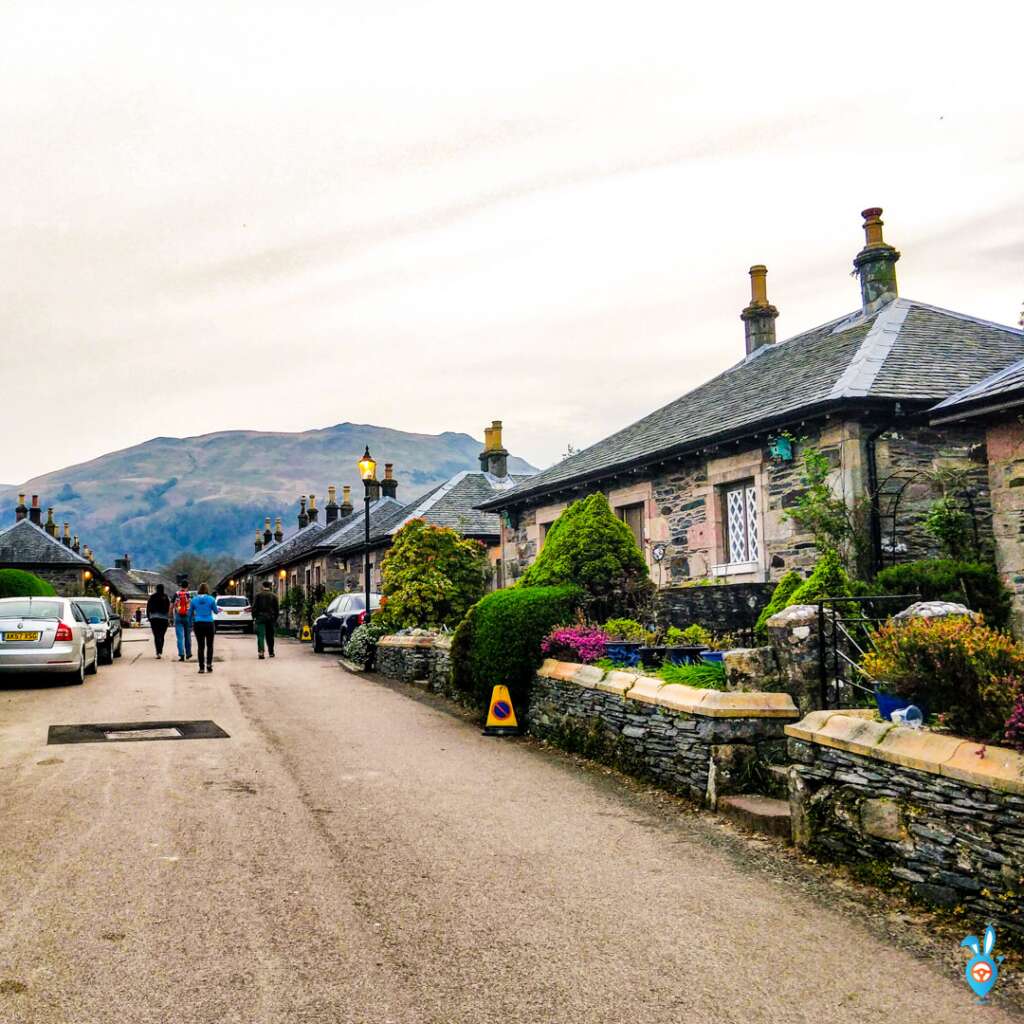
(233, 613)
(20, 637)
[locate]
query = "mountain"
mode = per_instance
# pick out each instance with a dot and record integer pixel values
(208, 494)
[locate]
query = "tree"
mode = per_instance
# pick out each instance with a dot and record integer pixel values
(199, 569)
(589, 546)
(431, 576)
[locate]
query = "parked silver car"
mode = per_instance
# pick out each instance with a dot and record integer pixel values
(46, 634)
(106, 624)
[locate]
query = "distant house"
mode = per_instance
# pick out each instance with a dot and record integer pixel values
(996, 405)
(36, 546)
(136, 586)
(705, 482)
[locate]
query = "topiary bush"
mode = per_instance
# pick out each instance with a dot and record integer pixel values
(499, 640)
(18, 583)
(968, 672)
(780, 599)
(590, 547)
(975, 584)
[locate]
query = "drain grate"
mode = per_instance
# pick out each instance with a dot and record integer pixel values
(133, 732)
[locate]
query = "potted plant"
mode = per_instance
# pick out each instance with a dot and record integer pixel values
(625, 639)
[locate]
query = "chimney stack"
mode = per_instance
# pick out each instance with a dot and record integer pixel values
(759, 317)
(303, 518)
(35, 513)
(267, 535)
(278, 532)
(20, 511)
(313, 512)
(66, 539)
(346, 508)
(494, 458)
(876, 265)
(259, 540)
(50, 526)
(389, 485)
(75, 546)
(331, 509)
(124, 562)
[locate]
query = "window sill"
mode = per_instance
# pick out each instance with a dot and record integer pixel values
(735, 569)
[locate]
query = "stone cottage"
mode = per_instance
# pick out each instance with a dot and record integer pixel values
(706, 481)
(996, 406)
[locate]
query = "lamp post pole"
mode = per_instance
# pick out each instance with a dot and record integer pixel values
(368, 472)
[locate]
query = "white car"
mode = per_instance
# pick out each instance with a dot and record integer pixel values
(46, 634)
(233, 613)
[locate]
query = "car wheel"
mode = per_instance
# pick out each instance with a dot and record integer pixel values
(77, 676)
(105, 654)
(117, 650)
(90, 670)
(318, 647)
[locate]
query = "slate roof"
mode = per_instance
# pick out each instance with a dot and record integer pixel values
(290, 546)
(455, 504)
(133, 584)
(907, 351)
(27, 544)
(1003, 388)
(383, 517)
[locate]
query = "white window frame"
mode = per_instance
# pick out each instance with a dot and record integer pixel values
(740, 501)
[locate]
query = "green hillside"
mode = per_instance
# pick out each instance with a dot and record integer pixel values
(208, 494)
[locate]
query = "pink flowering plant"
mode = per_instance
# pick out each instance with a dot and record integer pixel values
(1015, 724)
(585, 644)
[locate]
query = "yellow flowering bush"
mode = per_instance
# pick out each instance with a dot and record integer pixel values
(961, 668)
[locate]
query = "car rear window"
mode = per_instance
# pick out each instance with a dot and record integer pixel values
(232, 602)
(30, 609)
(93, 611)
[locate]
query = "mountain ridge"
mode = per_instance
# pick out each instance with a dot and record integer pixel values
(207, 493)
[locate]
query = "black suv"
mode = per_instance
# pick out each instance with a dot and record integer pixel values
(342, 615)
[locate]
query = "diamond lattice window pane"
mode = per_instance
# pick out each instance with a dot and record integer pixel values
(737, 526)
(753, 540)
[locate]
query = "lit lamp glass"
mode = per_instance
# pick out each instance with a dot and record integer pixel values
(282, 574)
(368, 466)
(87, 575)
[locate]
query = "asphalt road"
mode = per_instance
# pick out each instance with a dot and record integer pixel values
(353, 854)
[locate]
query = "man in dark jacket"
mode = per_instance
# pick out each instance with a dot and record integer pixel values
(158, 611)
(265, 609)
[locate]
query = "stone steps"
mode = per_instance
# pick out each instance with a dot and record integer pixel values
(757, 814)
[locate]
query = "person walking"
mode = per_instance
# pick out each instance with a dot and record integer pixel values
(183, 622)
(265, 609)
(203, 607)
(158, 611)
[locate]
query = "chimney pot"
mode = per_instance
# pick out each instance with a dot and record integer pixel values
(51, 526)
(876, 264)
(20, 511)
(759, 317)
(67, 535)
(278, 531)
(389, 485)
(494, 458)
(35, 513)
(313, 512)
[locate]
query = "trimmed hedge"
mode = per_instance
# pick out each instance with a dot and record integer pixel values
(975, 584)
(498, 642)
(18, 583)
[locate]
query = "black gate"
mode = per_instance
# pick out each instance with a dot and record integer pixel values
(845, 626)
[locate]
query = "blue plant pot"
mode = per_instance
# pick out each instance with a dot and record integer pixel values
(625, 652)
(888, 703)
(716, 657)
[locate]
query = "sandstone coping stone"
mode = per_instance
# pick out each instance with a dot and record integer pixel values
(646, 689)
(395, 640)
(443, 642)
(935, 753)
(935, 610)
(794, 616)
(619, 683)
(547, 670)
(588, 676)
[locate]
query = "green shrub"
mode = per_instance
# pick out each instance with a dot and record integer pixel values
(626, 630)
(693, 636)
(18, 583)
(965, 671)
(432, 576)
(975, 584)
(499, 640)
(828, 579)
(588, 546)
(362, 644)
(780, 599)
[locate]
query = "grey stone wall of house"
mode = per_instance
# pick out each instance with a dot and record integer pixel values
(952, 843)
(66, 580)
(722, 608)
(691, 755)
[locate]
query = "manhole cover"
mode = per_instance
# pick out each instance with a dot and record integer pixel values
(106, 732)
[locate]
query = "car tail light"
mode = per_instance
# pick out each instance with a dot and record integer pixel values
(362, 618)
(63, 634)
(247, 608)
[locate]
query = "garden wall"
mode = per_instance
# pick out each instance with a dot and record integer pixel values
(942, 814)
(722, 608)
(701, 743)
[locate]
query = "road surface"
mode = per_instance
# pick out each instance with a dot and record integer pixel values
(354, 854)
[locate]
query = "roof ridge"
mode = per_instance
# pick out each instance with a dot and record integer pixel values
(73, 555)
(433, 497)
(981, 386)
(862, 370)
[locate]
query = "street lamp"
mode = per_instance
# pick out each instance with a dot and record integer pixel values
(368, 473)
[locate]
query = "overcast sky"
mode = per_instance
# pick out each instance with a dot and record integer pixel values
(428, 215)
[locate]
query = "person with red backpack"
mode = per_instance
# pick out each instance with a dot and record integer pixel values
(183, 621)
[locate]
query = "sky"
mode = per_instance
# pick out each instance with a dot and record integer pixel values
(430, 215)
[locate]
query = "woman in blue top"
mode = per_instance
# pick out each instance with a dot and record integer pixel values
(203, 607)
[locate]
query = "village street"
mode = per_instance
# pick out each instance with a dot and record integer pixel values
(352, 853)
